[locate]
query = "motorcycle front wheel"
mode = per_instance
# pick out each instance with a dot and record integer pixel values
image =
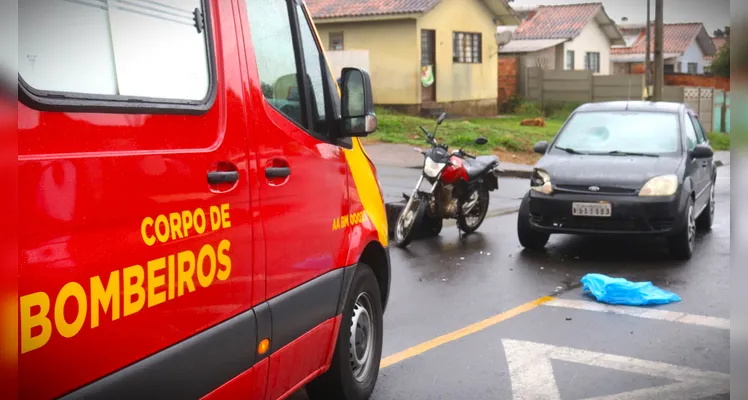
(409, 220)
(470, 220)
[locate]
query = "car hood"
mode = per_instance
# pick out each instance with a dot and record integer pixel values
(630, 172)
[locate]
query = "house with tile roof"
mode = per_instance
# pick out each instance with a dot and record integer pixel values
(686, 48)
(565, 37)
(422, 54)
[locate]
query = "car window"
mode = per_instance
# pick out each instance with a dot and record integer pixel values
(312, 59)
(270, 27)
(700, 136)
(691, 137)
(600, 132)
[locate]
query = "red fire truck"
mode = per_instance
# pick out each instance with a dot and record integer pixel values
(198, 216)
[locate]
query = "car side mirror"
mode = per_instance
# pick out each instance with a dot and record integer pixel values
(702, 151)
(441, 118)
(540, 147)
(481, 141)
(358, 118)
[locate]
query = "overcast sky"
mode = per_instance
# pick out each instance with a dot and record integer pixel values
(715, 14)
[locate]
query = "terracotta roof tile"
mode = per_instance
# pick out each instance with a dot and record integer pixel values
(677, 38)
(718, 43)
(557, 22)
(360, 8)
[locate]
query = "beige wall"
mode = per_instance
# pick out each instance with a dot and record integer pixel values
(454, 81)
(591, 39)
(544, 59)
(393, 56)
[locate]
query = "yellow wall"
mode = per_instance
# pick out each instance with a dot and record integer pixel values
(455, 81)
(393, 56)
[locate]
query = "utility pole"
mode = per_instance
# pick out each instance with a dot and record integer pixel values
(659, 78)
(647, 64)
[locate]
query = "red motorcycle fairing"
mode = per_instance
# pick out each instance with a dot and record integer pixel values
(453, 172)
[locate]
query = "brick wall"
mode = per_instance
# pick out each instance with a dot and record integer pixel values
(698, 81)
(507, 77)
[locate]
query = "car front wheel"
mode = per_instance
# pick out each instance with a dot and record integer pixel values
(683, 242)
(528, 237)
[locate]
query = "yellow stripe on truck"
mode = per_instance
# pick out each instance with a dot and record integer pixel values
(368, 189)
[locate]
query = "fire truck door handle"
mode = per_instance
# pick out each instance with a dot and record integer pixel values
(217, 177)
(277, 172)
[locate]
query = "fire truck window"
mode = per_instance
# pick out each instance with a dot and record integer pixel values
(155, 49)
(312, 60)
(270, 28)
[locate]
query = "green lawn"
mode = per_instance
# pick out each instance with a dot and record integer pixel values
(503, 133)
(719, 141)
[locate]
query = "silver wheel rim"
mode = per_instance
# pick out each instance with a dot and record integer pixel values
(362, 338)
(691, 228)
(406, 220)
(473, 218)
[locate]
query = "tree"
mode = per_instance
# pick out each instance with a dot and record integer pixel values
(721, 62)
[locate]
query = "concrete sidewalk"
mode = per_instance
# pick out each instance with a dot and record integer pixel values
(403, 156)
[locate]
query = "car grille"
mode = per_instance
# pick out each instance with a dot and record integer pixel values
(603, 190)
(605, 224)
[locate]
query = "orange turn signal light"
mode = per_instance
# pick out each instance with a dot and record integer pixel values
(263, 347)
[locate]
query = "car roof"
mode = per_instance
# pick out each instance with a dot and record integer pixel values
(659, 106)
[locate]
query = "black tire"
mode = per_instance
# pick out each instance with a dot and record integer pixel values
(420, 205)
(393, 211)
(339, 382)
(682, 243)
(431, 227)
(529, 238)
(483, 201)
(706, 219)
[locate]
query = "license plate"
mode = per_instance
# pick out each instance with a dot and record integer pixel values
(591, 209)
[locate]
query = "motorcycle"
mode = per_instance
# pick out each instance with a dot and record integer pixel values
(460, 184)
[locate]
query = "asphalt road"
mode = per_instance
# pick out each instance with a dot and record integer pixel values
(474, 320)
(396, 180)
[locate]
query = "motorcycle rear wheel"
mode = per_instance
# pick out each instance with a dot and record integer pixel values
(409, 221)
(474, 219)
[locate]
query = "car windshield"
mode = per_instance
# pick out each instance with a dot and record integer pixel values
(620, 133)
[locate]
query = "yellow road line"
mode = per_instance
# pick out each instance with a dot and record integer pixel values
(468, 330)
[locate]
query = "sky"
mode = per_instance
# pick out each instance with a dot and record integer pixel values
(715, 14)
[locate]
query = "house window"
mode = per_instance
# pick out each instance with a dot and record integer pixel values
(707, 69)
(467, 47)
(592, 62)
(336, 40)
(693, 68)
(570, 59)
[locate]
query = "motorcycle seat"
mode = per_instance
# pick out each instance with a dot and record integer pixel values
(479, 165)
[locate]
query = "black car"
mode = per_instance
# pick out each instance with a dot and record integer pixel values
(631, 167)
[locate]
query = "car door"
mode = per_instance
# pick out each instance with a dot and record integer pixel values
(133, 188)
(303, 183)
(696, 168)
(706, 164)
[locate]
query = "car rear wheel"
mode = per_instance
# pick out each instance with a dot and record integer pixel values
(705, 220)
(529, 238)
(683, 243)
(358, 349)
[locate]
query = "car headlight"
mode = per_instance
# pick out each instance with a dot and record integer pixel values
(541, 182)
(432, 168)
(665, 185)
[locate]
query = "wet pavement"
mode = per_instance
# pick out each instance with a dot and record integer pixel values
(471, 319)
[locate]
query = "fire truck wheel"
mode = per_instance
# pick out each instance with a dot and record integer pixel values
(358, 350)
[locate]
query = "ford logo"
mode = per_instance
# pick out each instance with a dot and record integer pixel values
(594, 189)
